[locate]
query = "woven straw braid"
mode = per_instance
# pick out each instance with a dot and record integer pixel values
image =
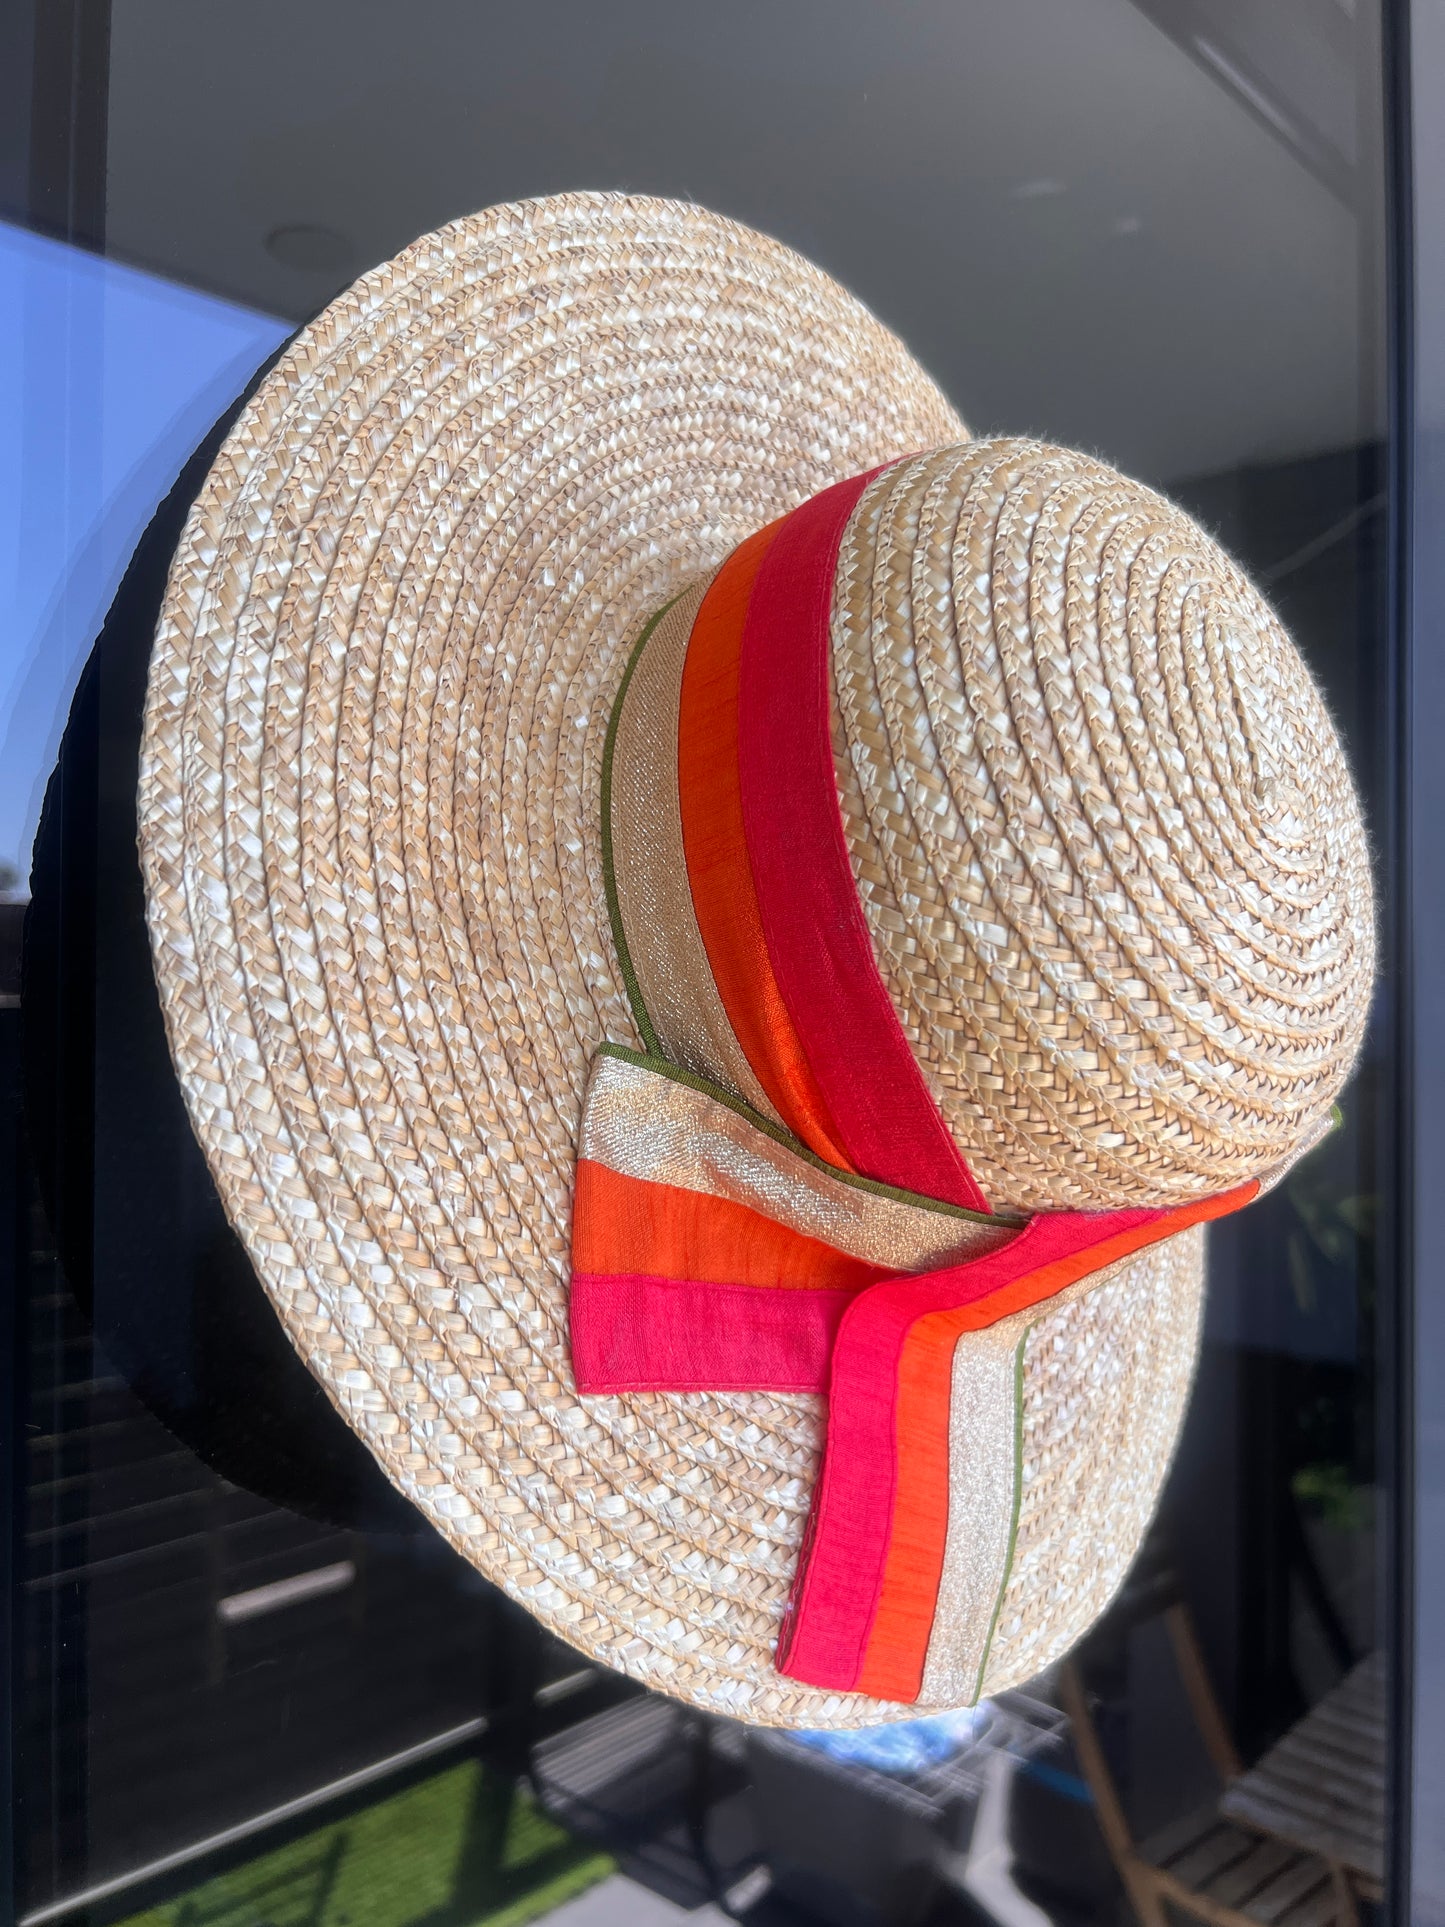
(1106, 840)
(369, 823)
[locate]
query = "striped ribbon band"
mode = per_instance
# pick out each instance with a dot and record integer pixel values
(768, 1198)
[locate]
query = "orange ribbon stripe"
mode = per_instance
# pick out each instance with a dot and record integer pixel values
(635, 1226)
(723, 893)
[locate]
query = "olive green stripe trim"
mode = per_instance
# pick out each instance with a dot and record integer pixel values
(659, 1065)
(1013, 1530)
(609, 873)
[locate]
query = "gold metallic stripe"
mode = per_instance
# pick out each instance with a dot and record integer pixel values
(650, 870)
(983, 1497)
(644, 1125)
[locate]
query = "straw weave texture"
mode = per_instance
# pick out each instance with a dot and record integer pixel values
(1106, 839)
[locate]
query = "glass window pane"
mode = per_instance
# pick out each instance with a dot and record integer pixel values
(251, 1681)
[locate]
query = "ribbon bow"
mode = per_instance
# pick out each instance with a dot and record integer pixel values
(767, 1197)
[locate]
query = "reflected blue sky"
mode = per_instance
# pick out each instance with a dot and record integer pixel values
(109, 377)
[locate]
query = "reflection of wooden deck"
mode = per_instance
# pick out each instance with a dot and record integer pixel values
(1322, 1787)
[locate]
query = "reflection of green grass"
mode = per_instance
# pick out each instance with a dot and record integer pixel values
(463, 1849)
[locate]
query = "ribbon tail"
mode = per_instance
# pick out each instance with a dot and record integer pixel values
(713, 1252)
(867, 1583)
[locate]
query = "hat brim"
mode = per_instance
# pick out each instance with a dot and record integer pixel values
(370, 833)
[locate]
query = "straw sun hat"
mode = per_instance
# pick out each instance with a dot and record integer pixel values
(699, 911)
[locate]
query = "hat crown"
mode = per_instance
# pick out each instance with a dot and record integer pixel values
(1106, 841)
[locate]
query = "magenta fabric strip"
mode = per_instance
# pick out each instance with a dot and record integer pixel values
(637, 1334)
(825, 1632)
(817, 938)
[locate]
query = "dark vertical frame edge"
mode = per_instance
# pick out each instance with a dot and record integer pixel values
(1398, 1306)
(1416, 118)
(13, 1252)
(54, 96)
(65, 190)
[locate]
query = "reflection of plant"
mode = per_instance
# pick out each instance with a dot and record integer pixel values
(1333, 1226)
(1331, 1494)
